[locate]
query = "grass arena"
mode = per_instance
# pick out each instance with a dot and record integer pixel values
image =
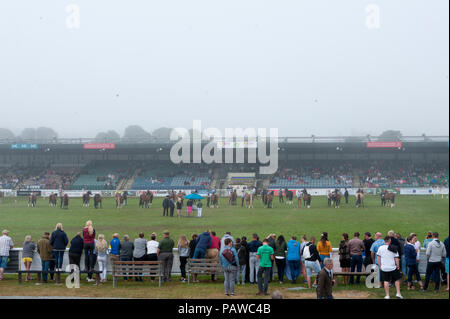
(418, 214)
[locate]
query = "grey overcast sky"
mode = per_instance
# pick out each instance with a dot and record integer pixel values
(303, 66)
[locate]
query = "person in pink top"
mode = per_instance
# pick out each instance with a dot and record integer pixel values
(213, 251)
(89, 246)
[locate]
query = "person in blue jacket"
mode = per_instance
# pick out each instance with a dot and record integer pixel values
(293, 258)
(411, 261)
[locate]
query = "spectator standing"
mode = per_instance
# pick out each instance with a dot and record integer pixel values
(89, 246)
(324, 248)
(368, 242)
(344, 256)
(203, 243)
(325, 280)
(45, 251)
(222, 241)
(312, 259)
(265, 256)
(402, 243)
(76, 250)
(242, 253)
(379, 241)
(418, 248)
(428, 239)
(435, 253)
(293, 258)
(389, 263)
(183, 252)
(192, 245)
(356, 247)
(304, 241)
(152, 250)
(411, 262)
(446, 244)
(272, 238)
(165, 255)
(280, 257)
(114, 253)
(244, 244)
(213, 251)
(126, 250)
(27, 254)
(139, 252)
(253, 260)
(199, 208)
(230, 263)
(59, 242)
(101, 248)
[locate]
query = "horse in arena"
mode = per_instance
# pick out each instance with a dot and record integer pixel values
(214, 200)
(119, 200)
(269, 199)
(65, 201)
(232, 198)
(180, 195)
(144, 200)
(307, 200)
(249, 200)
(289, 196)
(336, 198)
(390, 198)
(359, 198)
(264, 197)
(98, 201)
(52, 199)
(32, 199)
(87, 199)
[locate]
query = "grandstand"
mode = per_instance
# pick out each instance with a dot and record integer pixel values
(303, 163)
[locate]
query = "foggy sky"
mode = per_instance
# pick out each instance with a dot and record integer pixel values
(303, 66)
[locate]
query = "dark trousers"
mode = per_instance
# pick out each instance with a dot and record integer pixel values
(58, 256)
(89, 261)
(125, 259)
(433, 269)
(166, 211)
(346, 199)
(413, 270)
(74, 259)
(151, 257)
(183, 262)
(242, 201)
(281, 266)
(167, 262)
(355, 261)
(171, 211)
(143, 258)
(266, 272)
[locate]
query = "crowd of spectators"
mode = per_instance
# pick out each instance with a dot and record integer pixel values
(247, 261)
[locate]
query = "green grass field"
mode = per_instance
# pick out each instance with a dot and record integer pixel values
(417, 214)
(412, 214)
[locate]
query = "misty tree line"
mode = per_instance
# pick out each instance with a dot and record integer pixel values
(134, 132)
(48, 134)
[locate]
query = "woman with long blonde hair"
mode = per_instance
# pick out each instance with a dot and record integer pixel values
(183, 252)
(89, 246)
(102, 256)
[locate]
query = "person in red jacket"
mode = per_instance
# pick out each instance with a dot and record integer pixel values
(89, 246)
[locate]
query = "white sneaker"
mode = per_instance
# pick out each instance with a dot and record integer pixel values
(399, 296)
(387, 297)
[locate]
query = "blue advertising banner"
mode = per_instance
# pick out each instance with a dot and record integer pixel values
(24, 146)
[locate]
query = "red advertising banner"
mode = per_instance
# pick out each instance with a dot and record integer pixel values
(384, 144)
(99, 146)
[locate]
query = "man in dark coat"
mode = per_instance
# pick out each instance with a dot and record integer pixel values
(325, 280)
(166, 205)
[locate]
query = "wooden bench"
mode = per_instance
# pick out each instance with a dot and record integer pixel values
(132, 269)
(57, 275)
(203, 267)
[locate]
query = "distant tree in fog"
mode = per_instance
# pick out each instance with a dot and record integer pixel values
(6, 134)
(162, 134)
(108, 137)
(39, 134)
(390, 135)
(135, 132)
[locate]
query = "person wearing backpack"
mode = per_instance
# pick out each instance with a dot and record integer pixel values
(312, 259)
(230, 264)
